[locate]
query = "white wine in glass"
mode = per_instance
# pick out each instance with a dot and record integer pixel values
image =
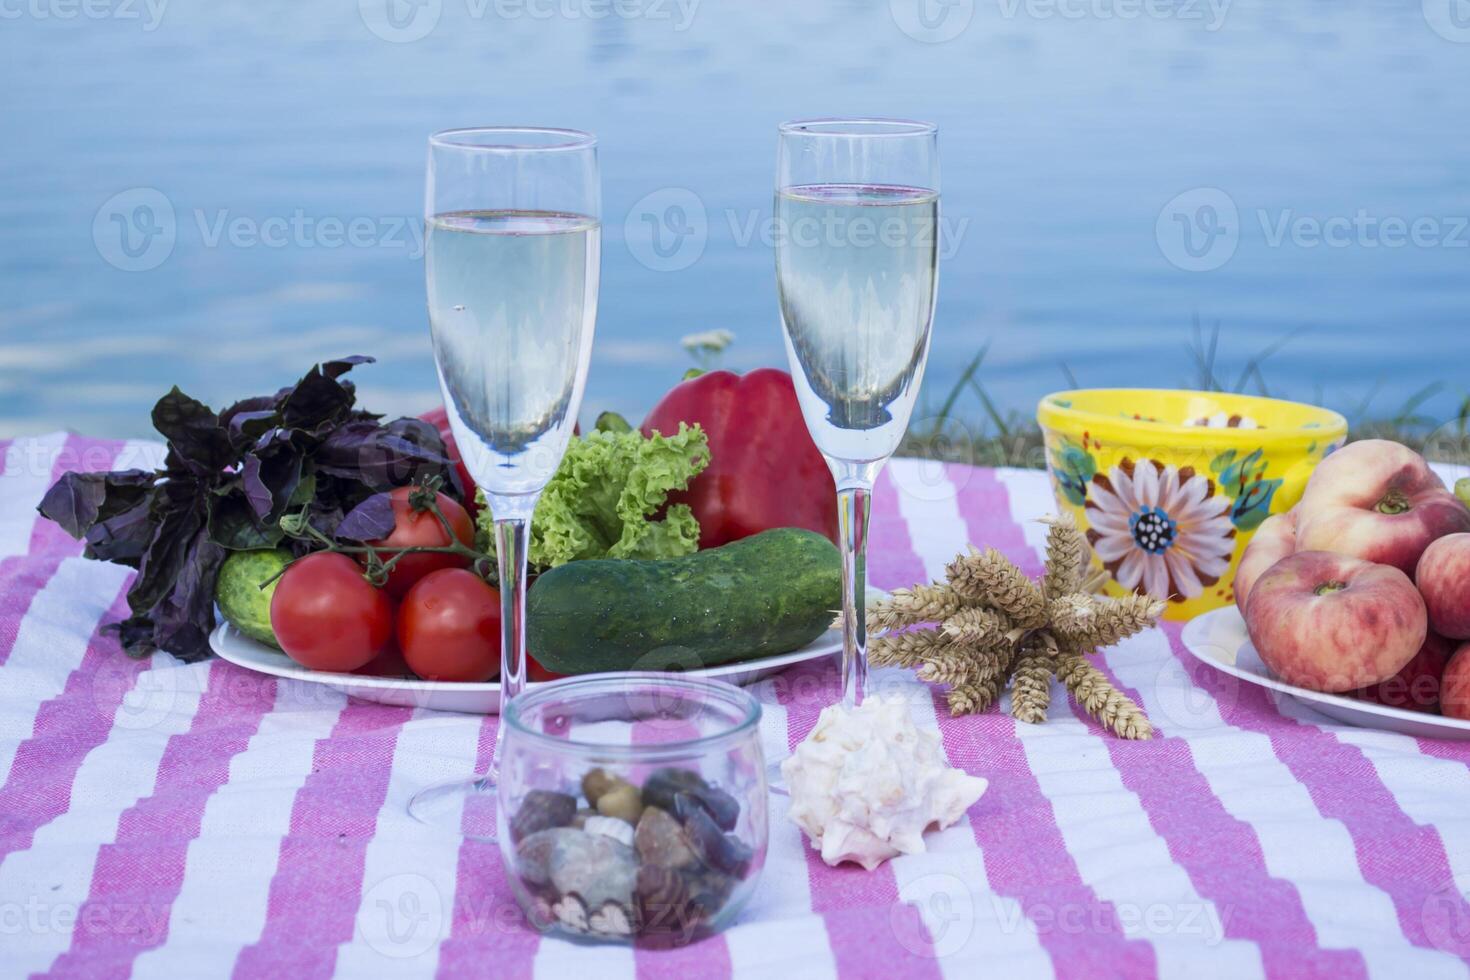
(512, 253)
(857, 212)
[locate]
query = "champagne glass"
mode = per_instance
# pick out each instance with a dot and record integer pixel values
(512, 256)
(857, 212)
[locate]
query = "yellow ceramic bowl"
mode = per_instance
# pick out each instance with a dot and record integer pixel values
(1169, 486)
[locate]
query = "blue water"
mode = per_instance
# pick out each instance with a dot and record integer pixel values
(259, 167)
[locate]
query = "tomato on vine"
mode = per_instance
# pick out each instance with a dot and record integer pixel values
(327, 616)
(416, 526)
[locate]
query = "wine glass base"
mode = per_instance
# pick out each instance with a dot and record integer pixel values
(463, 807)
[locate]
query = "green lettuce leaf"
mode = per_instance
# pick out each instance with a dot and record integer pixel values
(609, 499)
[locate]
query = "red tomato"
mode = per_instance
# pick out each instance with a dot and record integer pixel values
(421, 529)
(449, 627)
(326, 616)
(536, 672)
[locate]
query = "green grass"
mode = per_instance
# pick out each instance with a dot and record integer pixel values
(967, 427)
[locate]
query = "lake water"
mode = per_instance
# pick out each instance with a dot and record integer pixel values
(217, 194)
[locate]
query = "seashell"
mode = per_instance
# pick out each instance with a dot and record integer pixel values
(660, 840)
(618, 830)
(723, 852)
(541, 810)
(533, 854)
(866, 784)
(597, 868)
(611, 920)
(622, 801)
(660, 788)
(571, 912)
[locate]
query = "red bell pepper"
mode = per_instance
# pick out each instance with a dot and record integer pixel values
(764, 469)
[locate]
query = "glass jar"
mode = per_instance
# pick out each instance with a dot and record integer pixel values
(632, 806)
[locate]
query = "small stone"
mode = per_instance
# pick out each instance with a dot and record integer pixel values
(664, 784)
(611, 920)
(533, 854)
(598, 869)
(597, 782)
(612, 827)
(541, 810)
(709, 891)
(622, 801)
(660, 841)
(571, 912)
(723, 852)
(664, 905)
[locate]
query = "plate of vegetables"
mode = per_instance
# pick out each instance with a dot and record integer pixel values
(298, 535)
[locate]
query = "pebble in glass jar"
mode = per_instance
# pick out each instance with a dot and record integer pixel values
(633, 807)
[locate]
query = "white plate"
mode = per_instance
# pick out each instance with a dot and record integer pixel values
(1219, 639)
(480, 699)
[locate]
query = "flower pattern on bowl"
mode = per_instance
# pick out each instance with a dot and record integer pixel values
(1159, 529)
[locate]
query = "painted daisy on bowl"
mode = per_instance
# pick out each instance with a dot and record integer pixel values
(1160, 529)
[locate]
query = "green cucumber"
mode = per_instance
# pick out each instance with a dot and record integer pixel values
(242, 599)
(770, 593)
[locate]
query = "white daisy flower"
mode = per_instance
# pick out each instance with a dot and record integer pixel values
(1159, 529)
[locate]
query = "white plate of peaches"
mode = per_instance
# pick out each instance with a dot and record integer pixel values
(1357, 601)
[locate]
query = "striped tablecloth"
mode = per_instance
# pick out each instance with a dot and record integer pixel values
(168, 820)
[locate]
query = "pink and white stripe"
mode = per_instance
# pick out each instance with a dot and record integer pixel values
(161, 819)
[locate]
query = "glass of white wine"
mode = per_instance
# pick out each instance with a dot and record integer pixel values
(857, 228)
(512, 256)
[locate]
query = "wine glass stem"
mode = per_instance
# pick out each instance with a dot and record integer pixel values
(852, 518)
(512, 539)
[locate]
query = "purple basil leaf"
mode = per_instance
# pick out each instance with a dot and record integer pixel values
(340, 366)
(317, 400)
(136, 634)
(256, 492)
(122, 538)
(382, 457)
(184, 619)
(77, 501)
(370, 520)
(193, 431)
(246, 427)
(164, 559)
